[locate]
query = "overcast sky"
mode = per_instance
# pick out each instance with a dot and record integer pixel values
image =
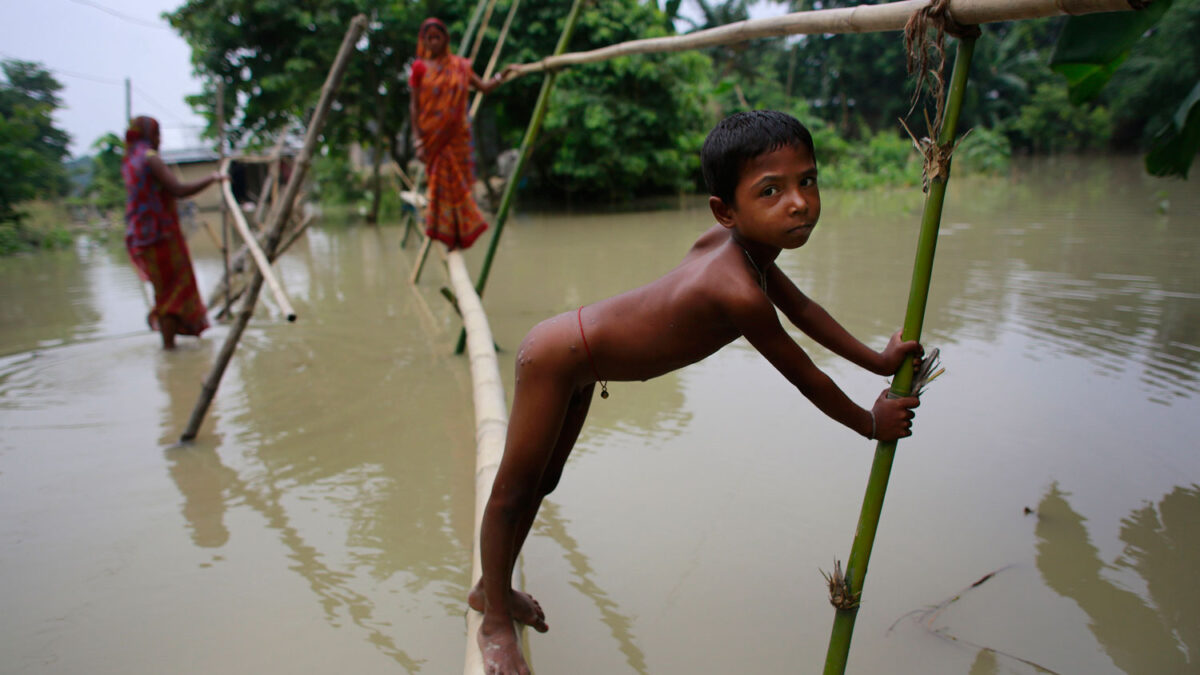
(91, 46)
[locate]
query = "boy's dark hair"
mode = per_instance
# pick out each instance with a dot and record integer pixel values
(741, 137)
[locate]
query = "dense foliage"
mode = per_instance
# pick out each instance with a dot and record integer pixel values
(632, 126)
(32, 149)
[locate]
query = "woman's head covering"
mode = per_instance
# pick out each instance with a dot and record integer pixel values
(141, 129)
(429, 24)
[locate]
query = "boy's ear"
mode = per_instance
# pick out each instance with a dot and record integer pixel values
(721, 211)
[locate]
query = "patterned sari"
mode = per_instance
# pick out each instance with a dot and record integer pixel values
(452, 216)
(155, 243)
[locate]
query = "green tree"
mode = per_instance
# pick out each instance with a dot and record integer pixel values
(32, 149)
(273, 56)
(107, 186)
(623, 128)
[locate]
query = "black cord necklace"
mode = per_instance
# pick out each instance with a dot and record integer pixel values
(762, 275)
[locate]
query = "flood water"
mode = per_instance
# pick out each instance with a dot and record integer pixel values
(322, 520)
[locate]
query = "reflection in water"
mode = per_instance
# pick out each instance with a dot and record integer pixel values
(1163, 546)
(1067, 247)
(340, 452)
(198, 472)
(551, 524)
(202, 480)
(207, 486)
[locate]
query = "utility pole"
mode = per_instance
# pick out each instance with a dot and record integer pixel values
(128, 102)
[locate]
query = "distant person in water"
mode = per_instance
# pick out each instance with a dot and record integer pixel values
(761, 172)
(156, 244)
(440, 85)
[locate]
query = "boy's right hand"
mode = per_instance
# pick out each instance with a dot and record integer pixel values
(893, 416)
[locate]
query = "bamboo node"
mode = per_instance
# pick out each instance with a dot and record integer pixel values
(840, 595)
(936, 157)
(919, 60)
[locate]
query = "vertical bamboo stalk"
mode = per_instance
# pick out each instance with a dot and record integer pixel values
(531, 133)
(471, 25)
(491, 66)
(483, 24)
(914, 319)
(276, 222)
(221, 155)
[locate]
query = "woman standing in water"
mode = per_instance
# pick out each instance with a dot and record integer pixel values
(440, 84)
(156, 245)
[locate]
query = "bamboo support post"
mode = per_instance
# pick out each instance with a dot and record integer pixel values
(491, 426)
(471, 25)
(221, 155)
(483, 24)
(531, 133)
(491, 66)
(885, 451)
(860, 19)
(260, 258)
(276, 222)
(216, 240)
(421, 256)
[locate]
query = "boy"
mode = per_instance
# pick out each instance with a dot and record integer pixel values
(761, 173)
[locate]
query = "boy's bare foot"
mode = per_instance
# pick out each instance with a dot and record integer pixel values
(525, 609)
(501, 653)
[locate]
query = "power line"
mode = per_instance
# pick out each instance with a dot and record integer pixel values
(119, 15)
(116, 83)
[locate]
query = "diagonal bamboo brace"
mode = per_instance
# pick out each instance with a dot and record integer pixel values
(260, 258)
(276, 223)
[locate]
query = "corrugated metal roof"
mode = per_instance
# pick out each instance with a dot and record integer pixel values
(189, 156)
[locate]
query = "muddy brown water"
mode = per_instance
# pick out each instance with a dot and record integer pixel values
(322, 521)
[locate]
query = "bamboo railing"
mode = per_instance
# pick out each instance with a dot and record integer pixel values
(860, 19)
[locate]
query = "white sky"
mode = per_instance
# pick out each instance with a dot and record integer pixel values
(91, 52)
(91, 46)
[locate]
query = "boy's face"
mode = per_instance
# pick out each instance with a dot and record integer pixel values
(776, 200)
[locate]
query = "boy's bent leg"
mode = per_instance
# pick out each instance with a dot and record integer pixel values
(539, 408)
(526, 610)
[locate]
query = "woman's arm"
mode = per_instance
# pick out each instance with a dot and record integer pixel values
(164, 175)
(489, 85)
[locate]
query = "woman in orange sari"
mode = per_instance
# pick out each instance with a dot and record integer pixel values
(156, 245)
(440, 84)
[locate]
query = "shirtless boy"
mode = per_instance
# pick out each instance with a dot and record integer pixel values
(762, 176)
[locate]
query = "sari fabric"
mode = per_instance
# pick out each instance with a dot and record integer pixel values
(452, 216)
(156, 245)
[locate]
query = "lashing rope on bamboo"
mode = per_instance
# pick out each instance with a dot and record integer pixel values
(920, 51)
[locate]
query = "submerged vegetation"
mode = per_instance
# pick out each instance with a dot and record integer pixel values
(630, 127)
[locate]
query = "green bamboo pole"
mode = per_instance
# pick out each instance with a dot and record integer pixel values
(531, 133)
(918, 296)
(471, 26)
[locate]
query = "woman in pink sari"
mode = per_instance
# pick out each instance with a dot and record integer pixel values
(440, 84)
(156, 245)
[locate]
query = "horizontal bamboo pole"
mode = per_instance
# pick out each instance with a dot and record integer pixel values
(260, 258)
(860, 19)
(491, 424)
